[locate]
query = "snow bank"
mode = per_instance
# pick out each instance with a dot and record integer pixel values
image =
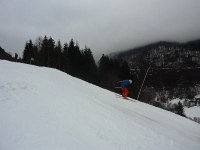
(197, 96)
(192, 111)
(45, 109)
(176, 100)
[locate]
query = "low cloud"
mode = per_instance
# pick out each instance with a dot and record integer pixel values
(104, 26)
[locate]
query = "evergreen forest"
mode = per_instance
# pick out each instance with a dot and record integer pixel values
(77, 62)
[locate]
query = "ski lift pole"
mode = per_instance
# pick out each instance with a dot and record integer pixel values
(143, 82)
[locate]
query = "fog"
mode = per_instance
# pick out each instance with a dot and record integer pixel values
(103, 26)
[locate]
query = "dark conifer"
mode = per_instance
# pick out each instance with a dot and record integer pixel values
(124, 71)
(180, 109)
(65, 59)
(28, 52)
(44, 52)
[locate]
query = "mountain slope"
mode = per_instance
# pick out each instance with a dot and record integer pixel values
(162, 54)
(43, 108)
(175, 67)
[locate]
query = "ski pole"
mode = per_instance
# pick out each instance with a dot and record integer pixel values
(143, 83)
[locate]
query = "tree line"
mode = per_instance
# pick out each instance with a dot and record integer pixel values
(67, 58)
(77, 62)
(4, 55)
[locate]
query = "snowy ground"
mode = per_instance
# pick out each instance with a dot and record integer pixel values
(189, 112)
(192, 111)
(45, 109)
(176, 100)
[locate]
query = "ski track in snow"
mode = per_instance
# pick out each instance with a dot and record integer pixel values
(43, 108)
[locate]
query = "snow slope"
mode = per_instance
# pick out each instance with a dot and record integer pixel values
(192, 111)
(45, 109)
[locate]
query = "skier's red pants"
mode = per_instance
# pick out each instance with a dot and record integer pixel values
(125, 92)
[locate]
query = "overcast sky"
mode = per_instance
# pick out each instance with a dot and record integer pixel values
(105, 26)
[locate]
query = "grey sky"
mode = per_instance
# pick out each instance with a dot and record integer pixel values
(105, 26)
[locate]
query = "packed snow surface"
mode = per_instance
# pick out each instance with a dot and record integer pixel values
(197, 96)
(46, 109)
(192, 111)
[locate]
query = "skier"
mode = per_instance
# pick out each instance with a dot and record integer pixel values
(124, 85)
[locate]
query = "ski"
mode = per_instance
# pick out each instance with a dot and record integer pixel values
(119, 96)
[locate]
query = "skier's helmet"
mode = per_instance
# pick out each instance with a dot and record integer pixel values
(130, 81)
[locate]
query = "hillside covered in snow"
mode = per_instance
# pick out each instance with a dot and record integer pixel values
(46, 109)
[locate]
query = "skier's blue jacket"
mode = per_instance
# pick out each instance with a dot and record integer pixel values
(125, 83)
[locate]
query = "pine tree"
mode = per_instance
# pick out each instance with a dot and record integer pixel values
(65, 59)
(38, 47)
(38, 43)
(51, 53)
(89, 66)
(44, 52)
(125, 71)
(108, 73)
(25, 53)
(74, 59)
(28, 52)
(58, 55)
(180, 109)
